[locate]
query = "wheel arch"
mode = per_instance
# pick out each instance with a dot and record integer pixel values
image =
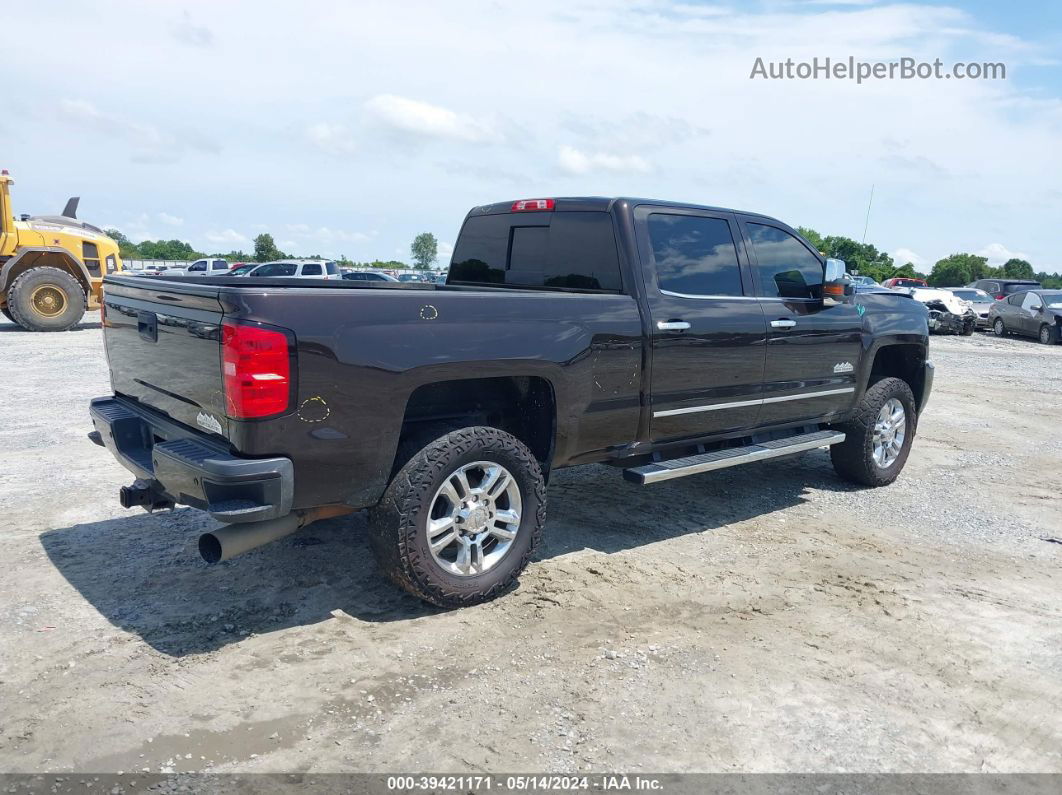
(524, 406)
(901, 359)
(41, 257)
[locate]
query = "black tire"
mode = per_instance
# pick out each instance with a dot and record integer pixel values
(968, 327)
(1047, 335)
(65, 290)
(9, 316)
(398, 523)
(853, 458)
(998, 327)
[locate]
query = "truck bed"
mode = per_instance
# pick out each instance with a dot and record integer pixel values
(361, 353)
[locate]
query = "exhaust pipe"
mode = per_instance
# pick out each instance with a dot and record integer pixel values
(231, 540)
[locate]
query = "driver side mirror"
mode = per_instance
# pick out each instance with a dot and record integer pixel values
(836, 281)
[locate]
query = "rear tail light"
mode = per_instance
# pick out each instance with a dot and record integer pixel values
(256, 367)
(532, 205)
(1001, 296)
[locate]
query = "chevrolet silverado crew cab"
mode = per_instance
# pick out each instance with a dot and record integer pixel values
(665, 339)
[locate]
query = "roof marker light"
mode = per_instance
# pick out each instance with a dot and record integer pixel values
(532, 205)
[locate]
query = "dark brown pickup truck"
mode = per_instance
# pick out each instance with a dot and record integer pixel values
(666, 339)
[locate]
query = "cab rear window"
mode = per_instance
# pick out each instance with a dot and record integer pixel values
(562, 250)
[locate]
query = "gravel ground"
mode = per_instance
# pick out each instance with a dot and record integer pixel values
(765, 618)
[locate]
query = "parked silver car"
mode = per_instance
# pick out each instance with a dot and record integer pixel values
(979, 300)
(1035, 313)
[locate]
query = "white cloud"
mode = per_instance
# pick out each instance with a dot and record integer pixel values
(170, 220)
(189, 33)
(148, 143)
(576, 162)
(902, 256)
(227, 236)
(428, 121)
(324, 234)
(333, 139)
(997, 254)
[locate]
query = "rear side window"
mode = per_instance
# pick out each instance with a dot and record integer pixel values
(311, 269)
(694, 255)
(573, 250)
(785, 267)
(1019, 288)
(1015, 298)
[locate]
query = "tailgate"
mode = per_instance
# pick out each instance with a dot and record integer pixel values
(163, 342)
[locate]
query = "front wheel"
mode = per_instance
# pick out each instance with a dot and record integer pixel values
(878, 436)
(46, 299)
(461, 518)
(1047, 334)
(998, 328)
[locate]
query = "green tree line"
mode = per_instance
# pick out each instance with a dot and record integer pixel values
(265, 250)
(954, 270)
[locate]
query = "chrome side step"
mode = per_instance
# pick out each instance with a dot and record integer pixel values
(730, 457)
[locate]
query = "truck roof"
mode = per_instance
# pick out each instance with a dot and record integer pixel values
(604, 204)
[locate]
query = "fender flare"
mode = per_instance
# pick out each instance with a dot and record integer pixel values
(35, 252)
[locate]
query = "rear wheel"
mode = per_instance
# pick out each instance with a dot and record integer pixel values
(46, 299)
(1047, 334)
(461, 518)
(998, 328)
(878, 436)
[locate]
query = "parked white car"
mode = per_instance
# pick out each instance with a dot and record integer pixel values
(291, 269)
(201, 267)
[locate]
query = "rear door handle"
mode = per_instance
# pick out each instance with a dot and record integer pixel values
(672, 325)
(783, 323)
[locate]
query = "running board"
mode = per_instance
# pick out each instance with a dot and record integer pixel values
(730, 457)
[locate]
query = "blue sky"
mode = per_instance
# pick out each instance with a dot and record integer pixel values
(347, 128)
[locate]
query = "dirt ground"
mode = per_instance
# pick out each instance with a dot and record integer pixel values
(765, 618)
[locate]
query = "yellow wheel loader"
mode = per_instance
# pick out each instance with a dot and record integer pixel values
(51, 266)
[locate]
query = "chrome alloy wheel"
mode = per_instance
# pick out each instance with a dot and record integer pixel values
(890, 429)
(474, 517)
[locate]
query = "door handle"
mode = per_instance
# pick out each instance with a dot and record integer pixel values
(672, 325)
(783, 323)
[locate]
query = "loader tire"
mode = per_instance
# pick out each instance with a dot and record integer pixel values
(442, 566)
(9, 316)
(46, 299)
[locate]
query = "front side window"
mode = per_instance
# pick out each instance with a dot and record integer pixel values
(694, 255)
(197, 266)
(1032, 301)
(784, 266)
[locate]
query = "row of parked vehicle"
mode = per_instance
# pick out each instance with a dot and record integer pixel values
(287, 268)
(1006, 306)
